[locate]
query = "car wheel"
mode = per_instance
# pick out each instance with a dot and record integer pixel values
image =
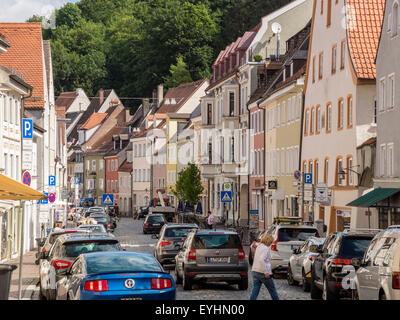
(178, 279)
(327, 294)
(187, 282)
(315, 292)
(243, 283)
(306, 283)
(290, 278)
(382, 296)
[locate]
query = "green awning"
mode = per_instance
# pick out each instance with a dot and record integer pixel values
(372, 198)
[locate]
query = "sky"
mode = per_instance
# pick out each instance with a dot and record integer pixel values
(21, 10)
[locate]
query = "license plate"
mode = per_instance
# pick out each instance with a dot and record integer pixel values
(218, 259)
(156, 224)
(137, 298)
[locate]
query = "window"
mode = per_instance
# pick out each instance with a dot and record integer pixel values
(283, 113)
(88, 164)
(322, 6)
(306, 122)
(390, 160)
(316, 171)
(391, 92)
(321, 65)
(382, 92)
(318, 128)
(313, 69)
(334, 50)
(209, 113)
(349, 111)
(329, 14)
(101, 164)
(395, 17)
(349, 171)
(339, 167)
(342, 54)
(326, 171)
(340, 113)
(312, 122)
(231, 104)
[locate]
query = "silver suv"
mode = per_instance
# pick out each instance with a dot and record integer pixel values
(378, 276)
(211, 255)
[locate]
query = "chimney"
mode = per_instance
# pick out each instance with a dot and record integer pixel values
(101, 96)
(160, 94)
(146, 106)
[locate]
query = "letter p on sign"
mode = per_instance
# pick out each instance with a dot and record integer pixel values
(27, 128)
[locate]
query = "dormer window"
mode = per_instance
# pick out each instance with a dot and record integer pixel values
(291, 69)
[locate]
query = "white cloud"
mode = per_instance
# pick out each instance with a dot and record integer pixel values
(21, 10)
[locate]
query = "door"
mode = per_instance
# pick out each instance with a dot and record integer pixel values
(298, 261)
(320, 259)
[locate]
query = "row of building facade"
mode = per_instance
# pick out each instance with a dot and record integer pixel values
(311, 88)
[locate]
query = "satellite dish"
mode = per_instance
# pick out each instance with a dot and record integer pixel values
(276, 27)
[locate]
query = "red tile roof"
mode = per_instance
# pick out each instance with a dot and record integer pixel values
(26, 56)
(94, 120)
(65, 99)
(125, 167)
(364, 30)
(180, 94)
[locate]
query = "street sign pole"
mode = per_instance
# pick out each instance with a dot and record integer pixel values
(312, 204)
(302, 195)
(21, 254)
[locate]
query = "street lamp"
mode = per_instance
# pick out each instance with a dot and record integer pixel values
(342, 171)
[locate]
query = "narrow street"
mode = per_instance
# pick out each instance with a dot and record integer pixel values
(129, 233)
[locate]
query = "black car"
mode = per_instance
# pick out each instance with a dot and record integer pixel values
(53, 264)
(170, 241)
(105, 220)
(338, 254)
(153, 223)
(143, 212)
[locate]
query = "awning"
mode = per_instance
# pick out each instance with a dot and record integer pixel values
(14, 190)
(279, 195)
(373, 197)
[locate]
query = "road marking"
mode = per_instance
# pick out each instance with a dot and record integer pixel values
(136, 245)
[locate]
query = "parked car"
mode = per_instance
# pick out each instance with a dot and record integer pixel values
(54, 263)
(330, 268)
(299, 268)
(91, 210)
(378, 276)
(103, 219)
(98, 228)
(143, 211)
(116, 276)
(211, 255)
(287, 236)
(153, 223)
(170, 241)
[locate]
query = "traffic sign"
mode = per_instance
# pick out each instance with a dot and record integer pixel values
(46, 201)
(27, 128)
(297, 175)
(108, 199)
(226, 196)
(52, 180)
(27, 178)
(227, 186)
(52, 197)
(308, 178)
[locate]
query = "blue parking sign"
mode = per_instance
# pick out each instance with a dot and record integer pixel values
(108, 199)
(27, 129)
(308, 178)
(52, 180)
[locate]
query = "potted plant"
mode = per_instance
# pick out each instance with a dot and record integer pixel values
(257, 58)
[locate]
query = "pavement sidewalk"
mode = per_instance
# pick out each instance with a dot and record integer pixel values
(30, 277)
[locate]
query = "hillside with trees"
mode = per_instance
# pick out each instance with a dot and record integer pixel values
(134, 45)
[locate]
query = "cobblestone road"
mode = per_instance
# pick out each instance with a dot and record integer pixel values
(129, 233)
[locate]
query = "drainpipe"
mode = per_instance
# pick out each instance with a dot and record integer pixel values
(21, 254)
(300, 151)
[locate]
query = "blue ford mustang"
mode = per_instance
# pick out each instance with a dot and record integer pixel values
(116, 275)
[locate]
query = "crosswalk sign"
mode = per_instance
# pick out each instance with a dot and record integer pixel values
(226, 196)
(108, 199)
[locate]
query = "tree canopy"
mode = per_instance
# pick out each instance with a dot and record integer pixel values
(188, 187)
(134, 45)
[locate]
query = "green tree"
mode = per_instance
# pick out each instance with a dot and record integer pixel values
(179, 74)
(69, 15)
(188, 187)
